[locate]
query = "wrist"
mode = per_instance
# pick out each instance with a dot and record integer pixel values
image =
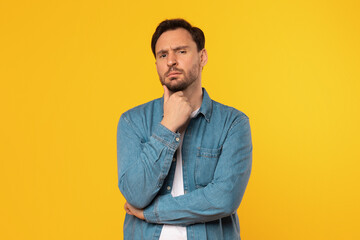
(168, 126)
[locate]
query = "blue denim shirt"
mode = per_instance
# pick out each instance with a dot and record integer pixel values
(217, 158)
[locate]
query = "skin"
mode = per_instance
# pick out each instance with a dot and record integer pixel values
(179, 65)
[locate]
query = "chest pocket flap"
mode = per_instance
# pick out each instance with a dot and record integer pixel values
(206, 161)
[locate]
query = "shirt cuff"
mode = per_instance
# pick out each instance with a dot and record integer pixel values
(166, 136)
(150, 213)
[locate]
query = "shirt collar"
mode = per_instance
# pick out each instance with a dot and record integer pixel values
(206, 106)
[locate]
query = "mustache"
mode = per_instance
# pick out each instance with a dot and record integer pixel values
(173, 69)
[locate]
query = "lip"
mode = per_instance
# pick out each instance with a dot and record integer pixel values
(171, 74)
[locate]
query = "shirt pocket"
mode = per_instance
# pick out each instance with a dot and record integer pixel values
(206, 161)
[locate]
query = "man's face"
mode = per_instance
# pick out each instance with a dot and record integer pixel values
(178, 61)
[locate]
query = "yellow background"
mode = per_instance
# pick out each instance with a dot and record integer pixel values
(68, 69)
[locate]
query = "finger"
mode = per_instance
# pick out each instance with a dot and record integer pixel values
(179, 93)
(166, 93)
(127, 209)
(129, 212)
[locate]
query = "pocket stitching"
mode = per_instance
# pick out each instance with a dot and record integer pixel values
(205, 153)
(209, 153)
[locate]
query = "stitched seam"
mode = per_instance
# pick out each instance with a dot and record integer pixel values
(155, 211)
(170, 145)
(237, 121)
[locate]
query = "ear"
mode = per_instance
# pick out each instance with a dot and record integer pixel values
(203, 57)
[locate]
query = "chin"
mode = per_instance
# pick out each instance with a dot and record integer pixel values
(175, 84)
(176, 88)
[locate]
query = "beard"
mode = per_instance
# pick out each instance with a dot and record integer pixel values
(174, 84)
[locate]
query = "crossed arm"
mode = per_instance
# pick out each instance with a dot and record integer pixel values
(218, 199)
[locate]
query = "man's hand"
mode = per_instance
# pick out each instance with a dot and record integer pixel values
(177, 110)
(139, 213)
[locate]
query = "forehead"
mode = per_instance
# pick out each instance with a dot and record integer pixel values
(174, 38)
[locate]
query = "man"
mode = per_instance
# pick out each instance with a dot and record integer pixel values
(184, 160)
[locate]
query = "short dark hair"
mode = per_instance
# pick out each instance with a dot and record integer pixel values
(172, 24)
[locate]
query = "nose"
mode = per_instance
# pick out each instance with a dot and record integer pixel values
(171, 60)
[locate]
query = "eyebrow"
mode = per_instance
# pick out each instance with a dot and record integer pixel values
(174, 49)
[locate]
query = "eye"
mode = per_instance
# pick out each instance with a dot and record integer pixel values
(182, 51)
(162, 55)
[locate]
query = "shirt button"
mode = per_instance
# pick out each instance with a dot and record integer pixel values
(168, 188)
(185, 192)
(177, 139)
(174, 159)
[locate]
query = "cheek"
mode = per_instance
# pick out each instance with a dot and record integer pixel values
(160, 69)
(190, 63)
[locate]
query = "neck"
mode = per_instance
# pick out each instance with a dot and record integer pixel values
(194, 95)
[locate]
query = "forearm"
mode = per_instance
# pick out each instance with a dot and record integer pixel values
(219, 198)
(202, 205)
(142, 167)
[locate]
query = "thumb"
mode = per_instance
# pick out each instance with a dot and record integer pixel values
(166, 93)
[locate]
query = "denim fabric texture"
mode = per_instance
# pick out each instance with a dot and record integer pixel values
(217, 159)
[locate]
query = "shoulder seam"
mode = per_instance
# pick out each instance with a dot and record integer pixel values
(237, 121)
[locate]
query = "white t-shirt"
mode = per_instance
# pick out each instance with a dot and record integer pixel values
(175, 232)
